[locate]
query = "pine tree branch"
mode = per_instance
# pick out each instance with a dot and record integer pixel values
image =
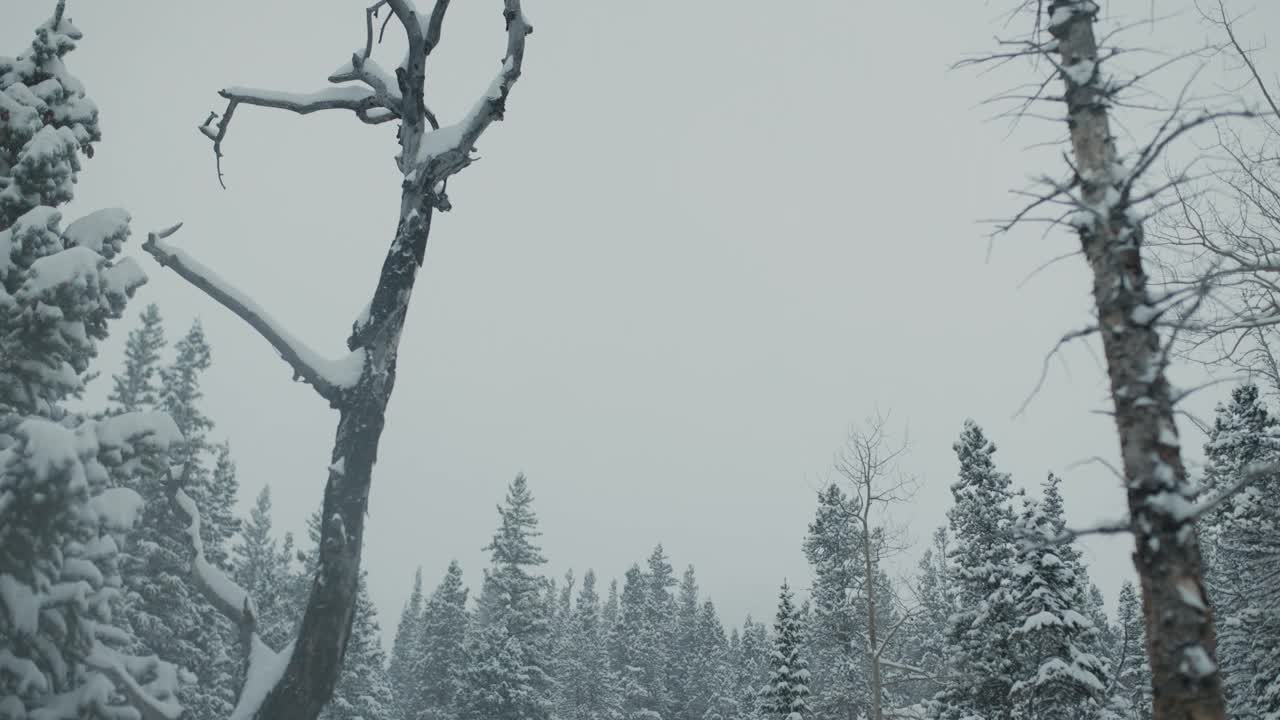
(326, 376)
(149, 707)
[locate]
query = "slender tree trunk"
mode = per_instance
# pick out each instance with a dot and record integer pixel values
(326, 625)
(1180, 629)
(872, 644)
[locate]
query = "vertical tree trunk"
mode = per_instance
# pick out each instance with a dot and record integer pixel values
(326, 625)
(873, 646)
(1180, 630)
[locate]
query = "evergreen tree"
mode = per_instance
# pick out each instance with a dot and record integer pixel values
(609, 611)
(841, 668)
(405, 652)
(683, 681)
(1060, 677)
(750, 670)
(1132, 674)
(167, 613)
(587, 689)
(786, 695)
(135, 388)
(631, 650)
(1241, 540)
(981, 661)
(923, 647)
(363, 691)
(507, 677)
(713, 697)
(63, 511)
(657, 670)
(442, 649)
(263, 568)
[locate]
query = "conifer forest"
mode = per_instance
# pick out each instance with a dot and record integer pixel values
(696, 415)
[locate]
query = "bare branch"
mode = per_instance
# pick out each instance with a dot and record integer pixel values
(329, 378)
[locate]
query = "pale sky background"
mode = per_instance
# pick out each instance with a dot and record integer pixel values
(709, 236)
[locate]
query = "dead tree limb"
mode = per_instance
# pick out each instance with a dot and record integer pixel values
(301, 678)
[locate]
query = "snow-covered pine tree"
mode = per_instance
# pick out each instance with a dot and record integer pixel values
(786, 695)
(683, 679)
(631, 650)
(507, 676)
(981, 666)
(63, 513)
(263, 566)
(364, 690)
(587, 689)
(659, 673)
(750, 670)
(166, 611)
(135, 388)
(405, 652)
(714, 698)
(441, 649)
(839, 663)
(923, 655)
(609, 610)
(1131, 673)
(1060, 675)
(1241, 545)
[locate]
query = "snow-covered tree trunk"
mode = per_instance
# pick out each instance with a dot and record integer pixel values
(359, 385)
(1180, 637)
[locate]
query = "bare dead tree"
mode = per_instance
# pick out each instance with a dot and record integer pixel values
(1221, 237)
(1105, 199)
(294, 683)
(869, 461)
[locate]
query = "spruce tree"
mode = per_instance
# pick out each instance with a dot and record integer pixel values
(981, 662)
(135, 388)
(405, 652)
(786, 695)
(166, 611)
(925, 629)
(713, 697)
(1129, 664)
(750, 670)
(587, 689)
(507, 676)
(683, 681)
(1060, 675)
(660, 627)
(64, 514)
(630, 648)
(838, 655)
(263, 567)
(441, 651)
(1241, 542)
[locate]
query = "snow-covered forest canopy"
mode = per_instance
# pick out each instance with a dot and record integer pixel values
(726, 309)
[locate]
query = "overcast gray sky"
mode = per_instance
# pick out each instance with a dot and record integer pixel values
(710, 235)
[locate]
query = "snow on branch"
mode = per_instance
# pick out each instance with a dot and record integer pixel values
(330, 378)
(445, 151)
(148, 706)
(265, 666)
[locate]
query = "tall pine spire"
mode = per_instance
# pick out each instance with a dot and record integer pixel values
(786, 696)
(135, 388)
(507, 676)
(406, 650)
(979, 635)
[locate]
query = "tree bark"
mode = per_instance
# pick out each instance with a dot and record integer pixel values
(1180, 629)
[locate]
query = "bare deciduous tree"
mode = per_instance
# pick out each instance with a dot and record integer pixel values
(869, 461)
(1105, 201)
(295, 682)
(1221, 237)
